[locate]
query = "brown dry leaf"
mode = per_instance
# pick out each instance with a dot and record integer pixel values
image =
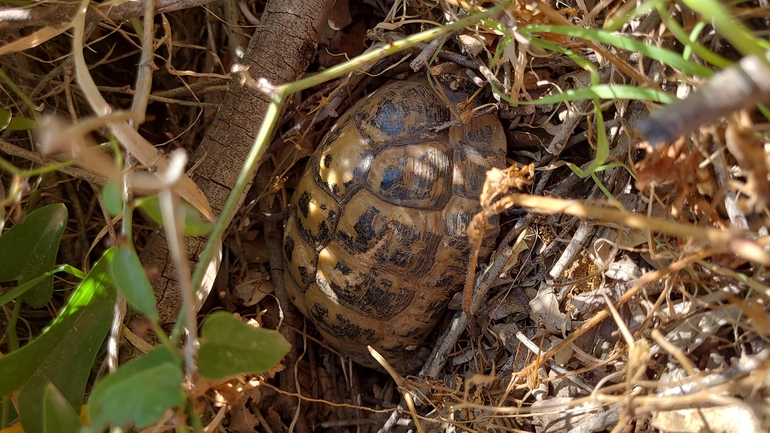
(544, 309)
(33, 40)
(341, 42)
(500, 182)
(726, 419)
(536, 79)
(674, 165)
(339, 15)
(130, 138)
(277, 368)
(242, 420)
(748, 150)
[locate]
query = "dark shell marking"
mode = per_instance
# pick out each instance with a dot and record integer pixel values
(375, 245)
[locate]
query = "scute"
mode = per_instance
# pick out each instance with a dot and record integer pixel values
(404, 113)
(416, 176)
(375, 245)
(341, 171)
(316, 213)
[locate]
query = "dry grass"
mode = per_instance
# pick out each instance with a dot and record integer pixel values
(631, 295)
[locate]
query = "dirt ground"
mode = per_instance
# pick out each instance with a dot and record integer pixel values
(626, 290)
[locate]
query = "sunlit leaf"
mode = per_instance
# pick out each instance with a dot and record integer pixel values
(139, 392)
(606, 91)
(64, 353)
(230, 347)
(20, 290)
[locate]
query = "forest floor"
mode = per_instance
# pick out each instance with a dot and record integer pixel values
(627, 288)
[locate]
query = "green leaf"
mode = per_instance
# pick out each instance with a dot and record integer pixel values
(606, 91)
(5, 118)
(139, 392)
(194, 225)
(230, 347)
(629, 44)
(113, 198)
(690, 42)
(129, 277)
(19, 123)
(58, 414)
(730, 27)
(64, 353)
(616, 21)
(29, 248)
(20, 290)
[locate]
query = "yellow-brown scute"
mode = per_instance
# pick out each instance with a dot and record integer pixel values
(375, 245)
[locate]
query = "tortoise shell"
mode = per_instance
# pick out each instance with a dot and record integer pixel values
(375, 245)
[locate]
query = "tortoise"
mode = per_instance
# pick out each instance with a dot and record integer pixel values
(375, 244)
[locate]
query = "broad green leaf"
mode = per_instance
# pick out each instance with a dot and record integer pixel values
(58, 414)
(194, 225)
(129, 277)
(29, 248)
(64, 353)
(139, 392)
(113, 198)
(230, 347)
(19, 123)
(606, 91)
(629, 44)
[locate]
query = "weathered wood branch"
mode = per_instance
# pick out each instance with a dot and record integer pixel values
(53, 14)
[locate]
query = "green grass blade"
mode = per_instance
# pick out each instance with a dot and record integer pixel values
(583, 63)
(615, 22)
(606, 91)
(663, 55)
(729, 27)
(20, 290)
(690, 41)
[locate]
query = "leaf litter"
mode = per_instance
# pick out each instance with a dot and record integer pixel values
(624, 294)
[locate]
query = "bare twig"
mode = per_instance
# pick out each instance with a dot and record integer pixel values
(173, 221)
(146, 64)
(76, 172)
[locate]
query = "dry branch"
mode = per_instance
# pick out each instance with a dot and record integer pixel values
(54, 14)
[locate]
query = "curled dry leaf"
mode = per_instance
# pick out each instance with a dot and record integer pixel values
(500, 182)
(72, 141)
(130, 138)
